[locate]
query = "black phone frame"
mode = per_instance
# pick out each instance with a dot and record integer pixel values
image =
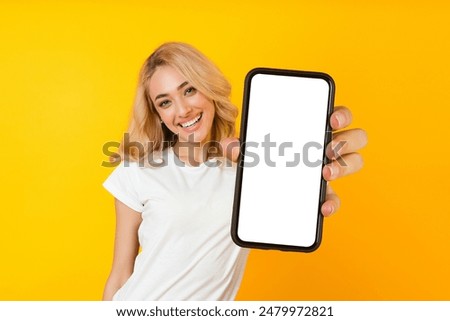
(240, 167)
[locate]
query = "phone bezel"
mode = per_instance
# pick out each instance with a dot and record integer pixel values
(240, 167)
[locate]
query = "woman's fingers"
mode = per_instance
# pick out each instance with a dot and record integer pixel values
(340, 118)
(332, 203)
(343, 166)
(346, 142)
(230, 148)
(343, 151)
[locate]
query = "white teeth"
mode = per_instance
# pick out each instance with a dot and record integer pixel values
(191, 122)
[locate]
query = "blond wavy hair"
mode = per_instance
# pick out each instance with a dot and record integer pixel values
(145, 126)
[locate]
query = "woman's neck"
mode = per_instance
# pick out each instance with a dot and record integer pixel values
(194, 153)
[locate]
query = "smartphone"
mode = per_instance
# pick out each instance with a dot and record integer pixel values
(279, 185)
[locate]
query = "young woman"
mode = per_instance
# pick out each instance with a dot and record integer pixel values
(173, 197)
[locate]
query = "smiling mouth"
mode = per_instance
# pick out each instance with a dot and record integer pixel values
(191, 122)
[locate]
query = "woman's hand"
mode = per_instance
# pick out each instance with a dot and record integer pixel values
(343, 151)
(230, 148)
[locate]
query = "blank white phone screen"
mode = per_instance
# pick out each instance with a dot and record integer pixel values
(281, 178)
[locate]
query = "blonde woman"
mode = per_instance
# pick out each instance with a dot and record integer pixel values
(174, 194)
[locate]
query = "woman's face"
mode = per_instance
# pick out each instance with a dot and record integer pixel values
(183, 109)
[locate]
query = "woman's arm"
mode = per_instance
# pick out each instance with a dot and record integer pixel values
(126, 247)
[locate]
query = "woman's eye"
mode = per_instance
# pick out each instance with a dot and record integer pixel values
(190, 91)
(164, 103)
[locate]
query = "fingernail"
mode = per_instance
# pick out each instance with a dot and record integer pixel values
(339, 120)
(330, 168)
(329, 152)
(331, 209)
(328, 209)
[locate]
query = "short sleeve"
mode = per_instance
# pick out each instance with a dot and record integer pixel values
(123, 184)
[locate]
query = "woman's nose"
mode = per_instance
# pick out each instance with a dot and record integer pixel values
(183, 109)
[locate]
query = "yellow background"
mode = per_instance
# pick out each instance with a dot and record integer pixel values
(68, 72)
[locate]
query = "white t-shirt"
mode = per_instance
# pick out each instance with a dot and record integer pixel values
(187, 251)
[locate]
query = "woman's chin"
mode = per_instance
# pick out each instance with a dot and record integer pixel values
(195, 138)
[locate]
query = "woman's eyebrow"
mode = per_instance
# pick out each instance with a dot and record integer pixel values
(178, 88)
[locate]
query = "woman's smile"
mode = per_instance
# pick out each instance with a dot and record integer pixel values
(185, 111)
(192, 122)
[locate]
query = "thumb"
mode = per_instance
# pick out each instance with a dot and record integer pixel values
(230, 148)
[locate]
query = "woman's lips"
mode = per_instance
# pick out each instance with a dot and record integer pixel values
(191, 122)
